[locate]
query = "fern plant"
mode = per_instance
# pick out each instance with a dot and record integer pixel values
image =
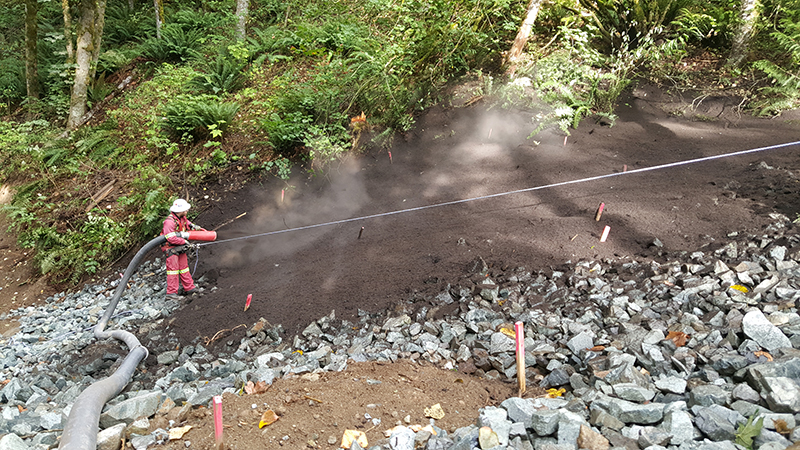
(191, 117)
(224, 75)
(785, 90)
(177, 44)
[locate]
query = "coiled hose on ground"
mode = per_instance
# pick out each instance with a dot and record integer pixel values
(80, 431)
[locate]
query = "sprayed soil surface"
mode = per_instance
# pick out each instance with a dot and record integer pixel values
(419, 236)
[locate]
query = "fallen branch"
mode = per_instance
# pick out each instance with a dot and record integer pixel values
(219, 333)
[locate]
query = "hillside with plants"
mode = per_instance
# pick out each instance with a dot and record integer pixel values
(169, 100)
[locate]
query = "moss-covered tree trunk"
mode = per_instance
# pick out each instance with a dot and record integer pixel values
(97, 36)
(68, 31)
(83, 60)
(748, 18)
(522, 36)
(31, 51)
(241, 18)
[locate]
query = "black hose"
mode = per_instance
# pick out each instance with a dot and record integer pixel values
(80, 431)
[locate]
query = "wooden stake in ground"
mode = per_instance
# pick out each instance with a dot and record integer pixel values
(520, 337)
(599, 212)
(247, 303)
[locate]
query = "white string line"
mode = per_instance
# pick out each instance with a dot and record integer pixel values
(501, 194)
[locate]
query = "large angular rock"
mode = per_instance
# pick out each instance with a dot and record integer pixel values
(679, 426)
(111, 438)
(500, 343)
(496, 419)
(633, 392)
(129, 410)
(544, 422)
(519, 409)
(717, 422)
(630, 412)
(12, 442)
(592, 440)
(756, 326)
(580, 342)
(673, 385)
(709, 394)
(782, 394)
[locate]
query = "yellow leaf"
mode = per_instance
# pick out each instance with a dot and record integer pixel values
(553, 392)
(508, 332)
(268, 418)
(739, 288)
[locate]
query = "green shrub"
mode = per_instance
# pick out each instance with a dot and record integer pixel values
(149, 199)
(286, 132)
(623, 24)
(69, 255)
(191, 116)
(12, 81)
(224, 75)
(177, 44)
(125, 24)
(785, 90)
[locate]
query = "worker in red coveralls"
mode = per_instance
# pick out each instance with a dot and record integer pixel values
(175, 249)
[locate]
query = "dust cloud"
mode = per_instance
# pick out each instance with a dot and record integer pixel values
(340, 195)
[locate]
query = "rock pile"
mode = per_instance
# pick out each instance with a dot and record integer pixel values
(698, 351)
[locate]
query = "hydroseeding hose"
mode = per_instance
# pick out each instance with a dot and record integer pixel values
(80, 432)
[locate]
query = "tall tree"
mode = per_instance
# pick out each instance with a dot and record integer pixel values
(68, 31)
(159, 6)
(32, 50)
(97, 36)
(241, 18)
(87, 30)
(522, 36)
(748, 17)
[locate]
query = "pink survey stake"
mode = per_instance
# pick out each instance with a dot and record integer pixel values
(218, 419)
(519, 331)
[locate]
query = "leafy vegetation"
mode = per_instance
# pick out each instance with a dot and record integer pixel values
(313, 80)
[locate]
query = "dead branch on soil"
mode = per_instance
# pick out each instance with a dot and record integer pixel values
(219, 334)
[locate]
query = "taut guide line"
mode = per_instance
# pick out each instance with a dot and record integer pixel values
(519, 191)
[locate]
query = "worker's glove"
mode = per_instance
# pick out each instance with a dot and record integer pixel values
(197, 228)
(191, 247)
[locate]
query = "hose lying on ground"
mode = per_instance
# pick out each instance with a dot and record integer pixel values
(80, 431)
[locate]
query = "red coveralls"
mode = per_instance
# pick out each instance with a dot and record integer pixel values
(177, 264)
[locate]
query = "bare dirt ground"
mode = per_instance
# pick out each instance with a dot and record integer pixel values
(298, 275)
(314, 410)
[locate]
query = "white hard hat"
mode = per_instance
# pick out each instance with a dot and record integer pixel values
(180, 205)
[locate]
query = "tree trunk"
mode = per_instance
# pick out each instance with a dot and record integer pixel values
(522, 36)
(31, 50)
(159, 16)
(83, 59)
(97, 35)
(748, 16)
(241, 19)
(68, 31)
